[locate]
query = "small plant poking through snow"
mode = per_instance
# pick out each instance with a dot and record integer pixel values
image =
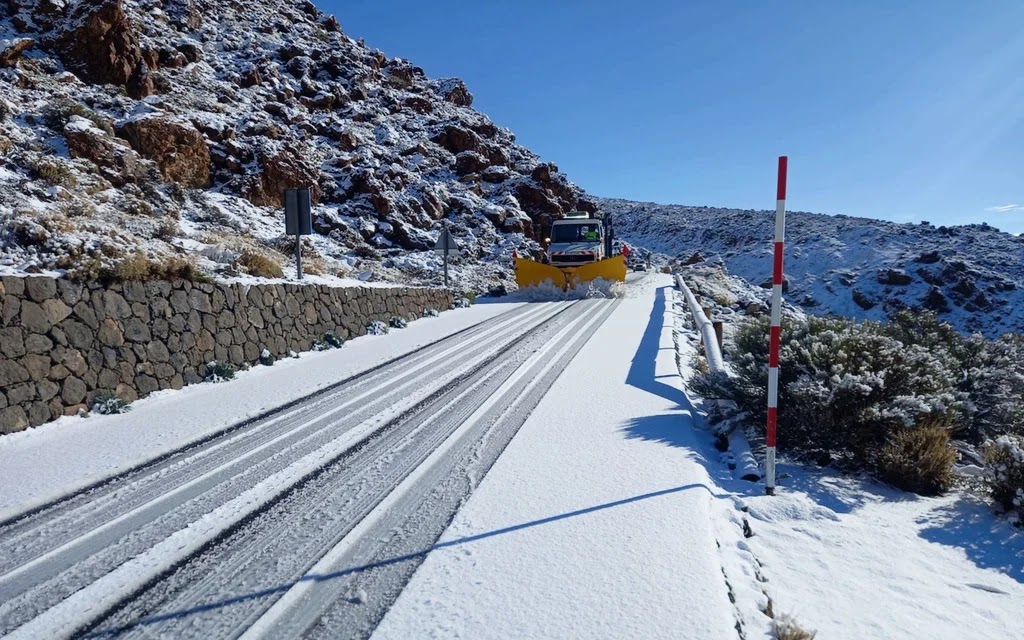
(329, 341)
(292, 354)
(107, 404)
(398, 323)
(376, 328)
(431, 313)
(267, 359)
(219, 371)
(786, 628)
(462, 303)
(1004, 474)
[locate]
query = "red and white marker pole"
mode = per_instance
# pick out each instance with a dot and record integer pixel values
(775, 333)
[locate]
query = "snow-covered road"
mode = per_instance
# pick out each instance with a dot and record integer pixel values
(597, 521)
(240, 529)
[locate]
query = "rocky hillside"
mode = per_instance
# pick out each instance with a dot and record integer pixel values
(166, 130)
(972, 276)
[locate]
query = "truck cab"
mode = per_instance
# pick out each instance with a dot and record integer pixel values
(576, 240)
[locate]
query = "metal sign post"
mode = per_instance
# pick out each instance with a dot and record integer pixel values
(445, 244)
(775, 332)
(298, 219)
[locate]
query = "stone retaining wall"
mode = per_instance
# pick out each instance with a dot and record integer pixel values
(61, 342)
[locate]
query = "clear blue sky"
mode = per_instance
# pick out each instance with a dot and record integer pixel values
(907, 110)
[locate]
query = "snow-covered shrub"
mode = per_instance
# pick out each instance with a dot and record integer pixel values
(995, 383)
(376, 328)
(107, 403)
(463, 302)
(217, 371)
(844, 388)
(1004, 474)
(919, 459)
(398, 323)
(267, 359)
(431, 313)
(329, 341)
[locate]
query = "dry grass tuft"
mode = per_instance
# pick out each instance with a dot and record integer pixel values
(786, 628)
(919, 459)
(260, 265)
(140, 268)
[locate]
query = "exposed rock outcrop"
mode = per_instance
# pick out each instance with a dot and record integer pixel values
(177, 148)
(100, 43)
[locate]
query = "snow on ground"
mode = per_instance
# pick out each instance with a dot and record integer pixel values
(599, 520)
(46, 462)
(851, 558)
(860, 560)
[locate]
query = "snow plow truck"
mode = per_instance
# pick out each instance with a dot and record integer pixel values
(578, 250)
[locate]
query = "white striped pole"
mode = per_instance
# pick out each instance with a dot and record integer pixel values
(775, 333)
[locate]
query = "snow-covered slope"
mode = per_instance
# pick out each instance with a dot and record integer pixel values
(972, 276)
(173, 126)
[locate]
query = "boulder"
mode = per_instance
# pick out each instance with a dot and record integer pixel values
(280, 171)
(13, 419)
(935, 301)
(453, 90)
(862, 300)
(469, 162)
(101, 45)
(456, 139)
(11, 51)
(178, 148)
(894, 277)
(115, 159)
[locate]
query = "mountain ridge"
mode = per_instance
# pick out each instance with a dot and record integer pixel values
(171, 127)
(971, 275)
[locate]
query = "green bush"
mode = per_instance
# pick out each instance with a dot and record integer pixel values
(846, 390)
(55, 171)
(398, 323)
(329, 341)
(267, 359)
(919, 459)
(107, 403)
(217, 371)
(1004, 474)
(376, 328)
(61, 110)
(995, 384)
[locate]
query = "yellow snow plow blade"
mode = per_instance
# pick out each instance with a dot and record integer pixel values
(530, 273)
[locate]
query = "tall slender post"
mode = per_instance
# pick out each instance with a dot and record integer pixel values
(298, 255)
(775, 333)
(444, 233)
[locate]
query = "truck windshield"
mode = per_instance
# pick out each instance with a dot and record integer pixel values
(575, 233)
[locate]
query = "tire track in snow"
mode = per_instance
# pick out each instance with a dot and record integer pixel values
(48, 586)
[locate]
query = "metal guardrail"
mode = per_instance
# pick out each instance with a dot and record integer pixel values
(746, 465)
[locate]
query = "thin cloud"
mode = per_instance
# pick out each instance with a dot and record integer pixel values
(1006, 208)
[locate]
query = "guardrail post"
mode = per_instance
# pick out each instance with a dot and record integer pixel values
(719, 326)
